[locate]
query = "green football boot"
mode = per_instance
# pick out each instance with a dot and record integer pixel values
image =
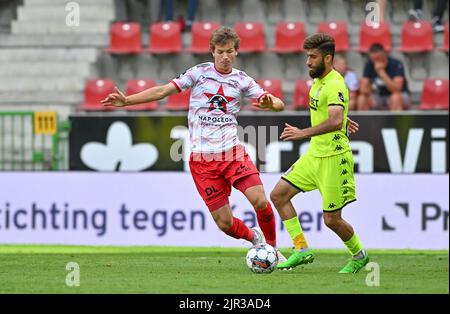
(297, 258)
(355, 265)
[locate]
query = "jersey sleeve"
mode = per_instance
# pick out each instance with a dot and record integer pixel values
(252, 89)
(337, 94)
(398, 70)
(186, 80)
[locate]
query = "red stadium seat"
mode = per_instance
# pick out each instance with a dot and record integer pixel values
(417, 36)
(136, 86)
(125, 38)
(339, 31)
(201, 33)
(179, 101)
(374, 33)
(301, 94)
(435, 94)
(94, 92)
(252, 36)
(446, 34)
(289, 37)
(272, 86)
(165, 37)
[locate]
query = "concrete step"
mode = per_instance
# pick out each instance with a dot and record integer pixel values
(59, 13)
(48, 54)
(59, 27)
(54, 40)
(63, 108)
(104, 3)
(47, 69)
(57, 84)
(9, 100)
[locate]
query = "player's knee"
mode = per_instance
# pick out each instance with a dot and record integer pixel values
(276, 198)
(260, 203)
(330, 221)
(224, 224)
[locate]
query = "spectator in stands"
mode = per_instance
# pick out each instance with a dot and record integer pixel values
(192, 10)
(384, 84)
(218, 161)
(351, 79)
(382, 7)
(416, 14)
(131, 10)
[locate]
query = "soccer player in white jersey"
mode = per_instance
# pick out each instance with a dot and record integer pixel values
(218, 160)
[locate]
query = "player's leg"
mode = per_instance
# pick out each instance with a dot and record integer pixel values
(251, 186)
(215, 190)
(295, 180)
(337, 186)
(240, 171)
(234, 227)
(281, 197)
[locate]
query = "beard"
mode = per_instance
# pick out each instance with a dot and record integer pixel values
(318, 71)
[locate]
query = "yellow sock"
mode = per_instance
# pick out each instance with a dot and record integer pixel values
(295, 231)
(353, 245)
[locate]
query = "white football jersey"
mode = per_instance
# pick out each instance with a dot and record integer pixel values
(214, 103)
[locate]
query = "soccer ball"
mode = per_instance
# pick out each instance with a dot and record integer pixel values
(262, 258)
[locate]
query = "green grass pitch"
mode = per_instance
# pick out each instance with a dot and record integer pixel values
(179, 270)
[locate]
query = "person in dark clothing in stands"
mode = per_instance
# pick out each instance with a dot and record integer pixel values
(383, 85)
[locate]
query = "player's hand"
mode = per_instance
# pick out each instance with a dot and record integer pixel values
(291, 133)
(352, 126)
(380, 66)
(265, 103)
(116, 99)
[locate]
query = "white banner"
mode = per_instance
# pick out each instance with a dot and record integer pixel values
(164, 208)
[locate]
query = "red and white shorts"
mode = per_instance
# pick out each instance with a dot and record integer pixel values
(215, 173)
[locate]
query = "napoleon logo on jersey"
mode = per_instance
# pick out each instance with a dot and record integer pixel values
(218, 100)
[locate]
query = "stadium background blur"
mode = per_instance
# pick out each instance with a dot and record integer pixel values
(59, 58)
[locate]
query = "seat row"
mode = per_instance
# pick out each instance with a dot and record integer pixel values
(165, 37)
(435, 94)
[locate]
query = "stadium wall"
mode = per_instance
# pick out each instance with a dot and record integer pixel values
(386, 143)
(393, 211)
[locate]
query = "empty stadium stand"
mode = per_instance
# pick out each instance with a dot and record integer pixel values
(47, 55)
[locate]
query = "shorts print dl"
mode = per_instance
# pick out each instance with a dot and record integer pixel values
(214, 178)
(333, 176)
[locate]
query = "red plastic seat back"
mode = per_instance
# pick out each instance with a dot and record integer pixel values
(370, 34)
(137, 86)
(251, 35)
(165, 38)
(435, 94)
(417, 36)
(94, 92)
(179, 101)
(289, 37)
(201, 33)
(125, 38)
(301, 94)
(272, 86)
(339, 31)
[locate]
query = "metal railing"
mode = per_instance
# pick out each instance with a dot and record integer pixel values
(33, 141)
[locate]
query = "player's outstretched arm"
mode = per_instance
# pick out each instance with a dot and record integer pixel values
(118, 99)
(333, 123)
(270, 102)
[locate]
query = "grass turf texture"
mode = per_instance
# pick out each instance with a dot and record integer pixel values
(42, 269)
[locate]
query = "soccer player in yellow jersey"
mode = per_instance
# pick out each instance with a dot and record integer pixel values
(328, 164)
